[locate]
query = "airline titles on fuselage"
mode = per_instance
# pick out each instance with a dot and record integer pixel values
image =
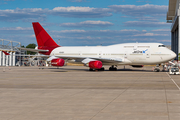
(139, 51)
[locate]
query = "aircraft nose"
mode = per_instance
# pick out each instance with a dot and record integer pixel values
(173, 55)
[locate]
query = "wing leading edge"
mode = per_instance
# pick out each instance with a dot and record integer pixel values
(88, 59)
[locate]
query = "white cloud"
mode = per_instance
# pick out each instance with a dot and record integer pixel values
(81, 12)
(99, 32)
(11, 31)
(88, 23)
(141, 10)
(14, 15)
(151, 34)
(39, 14)
(70, 31)
(145, 24)
(129, 30)
(166, 41)
(145, 18)
(95, 37)
(162, 30)
(32, 36)
(16, 28)
(73, 9)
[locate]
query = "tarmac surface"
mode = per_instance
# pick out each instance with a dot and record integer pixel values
(74, 93)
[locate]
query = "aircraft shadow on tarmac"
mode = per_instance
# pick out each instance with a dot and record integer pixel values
(87, 70)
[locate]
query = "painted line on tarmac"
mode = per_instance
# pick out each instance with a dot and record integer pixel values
(173, 81)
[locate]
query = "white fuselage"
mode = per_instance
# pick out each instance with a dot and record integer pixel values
(130, 53)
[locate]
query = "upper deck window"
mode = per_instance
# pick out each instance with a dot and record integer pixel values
(143, 46)
(161, 46)
(128, 46)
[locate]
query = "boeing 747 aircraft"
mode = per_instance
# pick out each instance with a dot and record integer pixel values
(95, 57)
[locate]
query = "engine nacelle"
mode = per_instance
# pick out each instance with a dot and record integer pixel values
(95, 64)
(137, 66)
(59, 62)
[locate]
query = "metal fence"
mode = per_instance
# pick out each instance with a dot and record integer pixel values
(12, 48)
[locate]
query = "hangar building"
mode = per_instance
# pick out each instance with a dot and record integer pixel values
(173, 17)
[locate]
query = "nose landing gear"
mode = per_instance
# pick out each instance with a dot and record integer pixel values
(156, 69)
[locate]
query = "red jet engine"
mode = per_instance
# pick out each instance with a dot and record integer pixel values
(95, 64)
(59, 62)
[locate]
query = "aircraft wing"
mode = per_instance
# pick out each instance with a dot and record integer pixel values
(5, 53)
(88, 59)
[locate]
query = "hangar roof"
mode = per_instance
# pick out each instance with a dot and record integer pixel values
(171, 10)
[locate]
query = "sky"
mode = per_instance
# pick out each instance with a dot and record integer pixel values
(86, 22)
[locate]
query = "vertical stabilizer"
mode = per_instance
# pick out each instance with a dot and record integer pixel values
(44, 40)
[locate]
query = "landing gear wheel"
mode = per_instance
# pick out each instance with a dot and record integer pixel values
(164, 67)
(102, 69)
(157, 69)
(112, 68)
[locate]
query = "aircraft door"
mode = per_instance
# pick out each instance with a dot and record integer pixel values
(125, 54)
(135, 47)
(100, 54)
(80, 53)
(147, 54)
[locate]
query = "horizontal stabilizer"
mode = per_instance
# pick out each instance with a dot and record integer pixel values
(42, 56)
(5, 53)
(7, 50)
(34, 50)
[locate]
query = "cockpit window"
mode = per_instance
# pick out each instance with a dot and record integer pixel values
(161, 46)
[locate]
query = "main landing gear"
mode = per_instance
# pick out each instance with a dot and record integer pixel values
(102, 69)
(113, 68)
(164, 67)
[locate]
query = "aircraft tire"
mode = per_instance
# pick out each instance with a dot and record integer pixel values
(90, 69)
(102, 69)
(112, 69)
(156, 70)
